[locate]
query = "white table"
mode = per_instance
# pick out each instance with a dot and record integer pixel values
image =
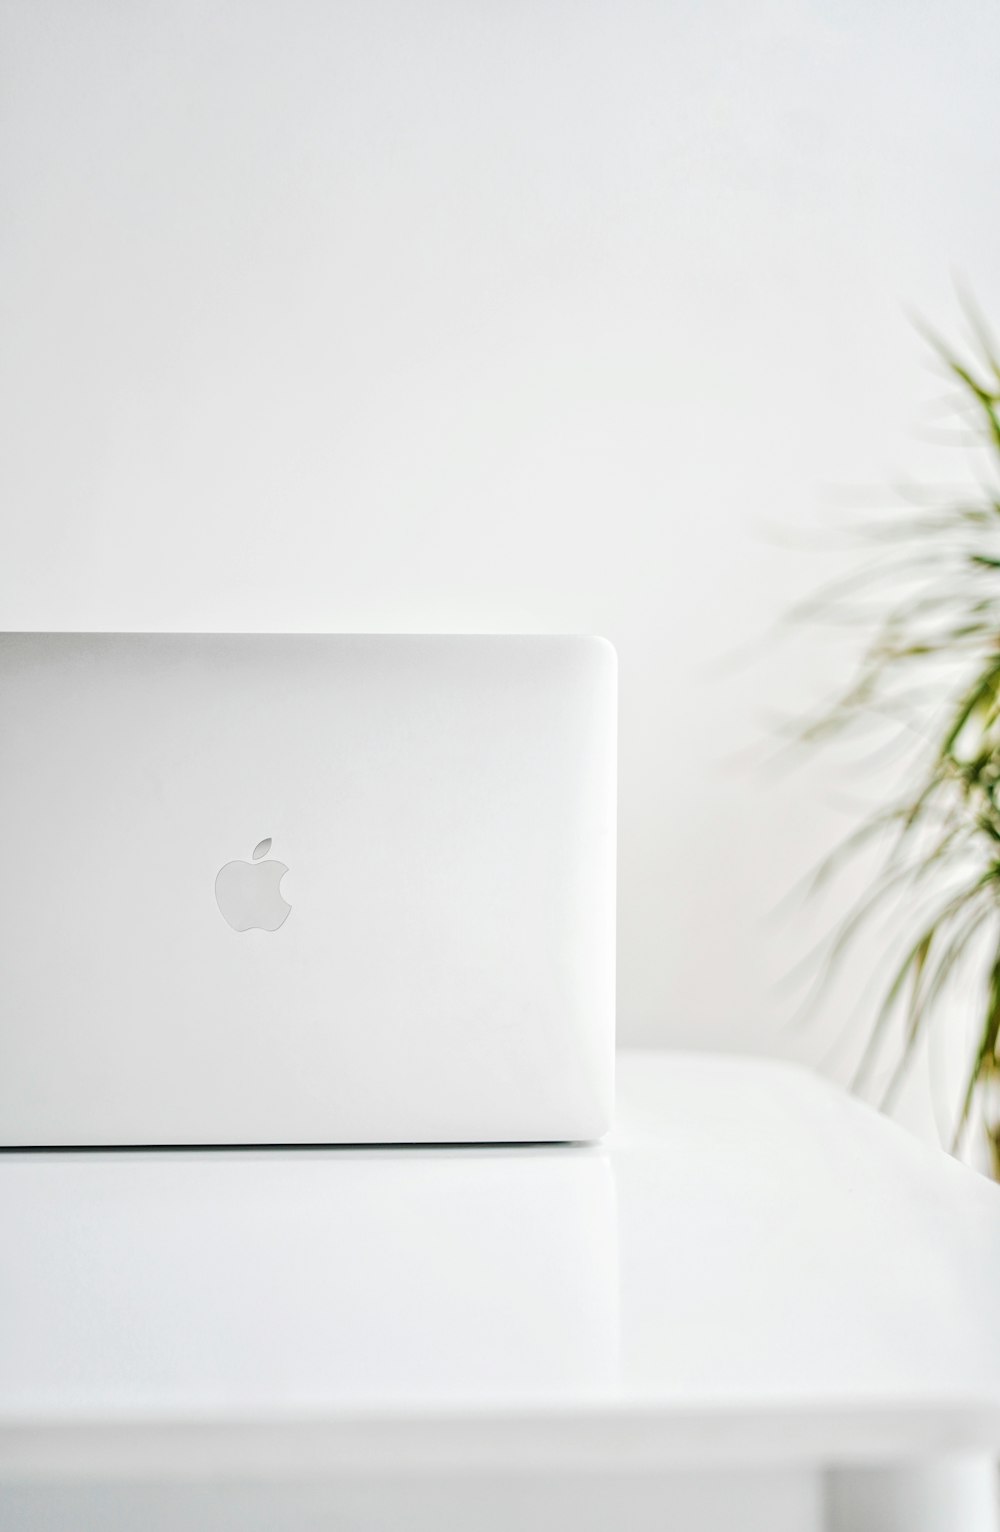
(755, 1298)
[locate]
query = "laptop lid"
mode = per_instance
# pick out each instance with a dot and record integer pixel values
(306, 889)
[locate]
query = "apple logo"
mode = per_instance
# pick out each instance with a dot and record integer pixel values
(249, 893)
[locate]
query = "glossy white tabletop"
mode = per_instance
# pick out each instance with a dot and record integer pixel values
(752, 1267)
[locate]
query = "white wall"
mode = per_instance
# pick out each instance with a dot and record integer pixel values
(494, 316)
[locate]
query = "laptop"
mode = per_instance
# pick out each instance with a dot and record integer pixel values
(289, 889)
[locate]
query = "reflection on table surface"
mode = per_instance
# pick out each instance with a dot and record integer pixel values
(306, 1278)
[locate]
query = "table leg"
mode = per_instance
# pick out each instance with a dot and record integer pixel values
(956, 1495)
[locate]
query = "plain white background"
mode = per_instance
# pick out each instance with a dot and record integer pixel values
(496, 316)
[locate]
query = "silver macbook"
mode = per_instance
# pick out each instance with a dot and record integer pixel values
(304, 889)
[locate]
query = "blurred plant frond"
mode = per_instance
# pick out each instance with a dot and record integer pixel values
(926, 597)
